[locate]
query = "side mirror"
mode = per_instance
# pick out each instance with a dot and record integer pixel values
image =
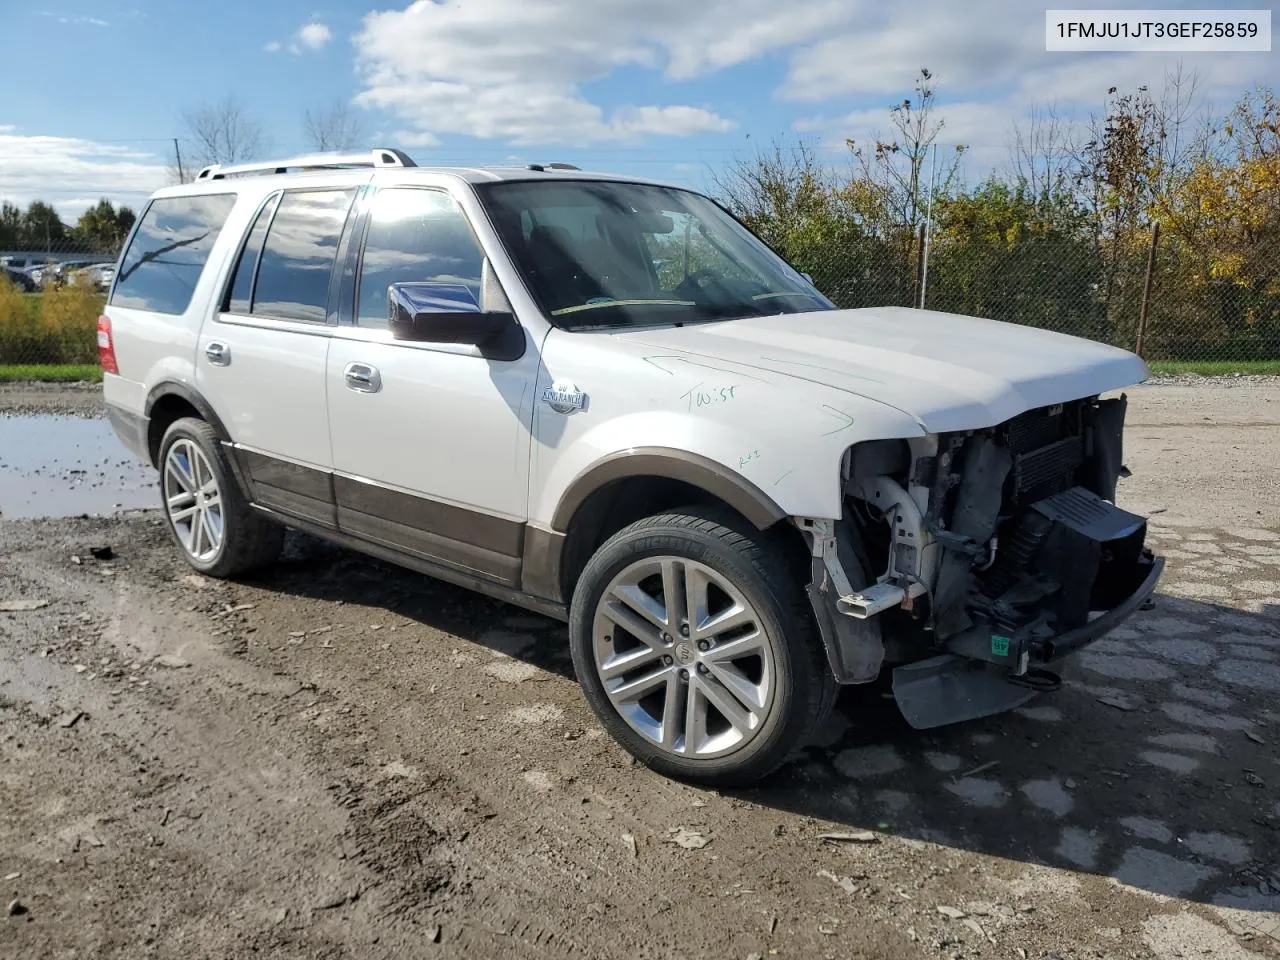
(808, 278)
(438, 312)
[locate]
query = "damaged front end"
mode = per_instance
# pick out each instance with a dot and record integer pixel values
(970, 560)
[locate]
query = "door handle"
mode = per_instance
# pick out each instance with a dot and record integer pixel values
(218, 353)
(362, 378)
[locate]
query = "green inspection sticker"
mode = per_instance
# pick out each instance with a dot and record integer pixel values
(999, 645)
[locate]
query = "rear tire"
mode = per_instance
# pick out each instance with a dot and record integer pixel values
(695, 645)
(217, 531)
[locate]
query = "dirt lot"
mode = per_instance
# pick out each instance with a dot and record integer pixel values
(340, 759)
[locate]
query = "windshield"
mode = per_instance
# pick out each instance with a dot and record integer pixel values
(600, 254)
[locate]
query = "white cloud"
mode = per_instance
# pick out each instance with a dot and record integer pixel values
(315, 35)
(990, 70)
(521, 71)
(73, 174)
(986, 50)
(515, 70)
(76, 21)
(415, 138)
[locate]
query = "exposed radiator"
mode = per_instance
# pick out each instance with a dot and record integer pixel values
(1046, 471)
(1047, 450)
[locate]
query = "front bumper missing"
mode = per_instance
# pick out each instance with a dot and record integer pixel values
(1021, 648)
(974, 683)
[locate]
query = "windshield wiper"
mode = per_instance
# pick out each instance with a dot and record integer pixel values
(600, 304)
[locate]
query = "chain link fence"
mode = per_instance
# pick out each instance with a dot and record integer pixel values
(1152, 295)
(1163, 297)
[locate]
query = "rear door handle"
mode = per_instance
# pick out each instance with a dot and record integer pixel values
(218, 353)
(362, 378)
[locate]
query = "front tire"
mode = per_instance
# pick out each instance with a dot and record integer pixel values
(214, 527)
(695, 646)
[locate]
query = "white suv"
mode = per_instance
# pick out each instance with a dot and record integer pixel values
(605, 400)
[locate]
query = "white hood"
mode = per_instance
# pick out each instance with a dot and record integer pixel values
(949, 372)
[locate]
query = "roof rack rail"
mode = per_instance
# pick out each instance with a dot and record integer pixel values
(539, 167)
(378, 157)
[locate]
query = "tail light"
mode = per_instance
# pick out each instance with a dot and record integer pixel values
(106, 349)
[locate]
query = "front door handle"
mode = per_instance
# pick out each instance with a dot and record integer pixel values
(362, 378)
(219, 354)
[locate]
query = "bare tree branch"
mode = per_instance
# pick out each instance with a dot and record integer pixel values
(333, 128)
(894, 167)
(221, 132)
(1042, 150)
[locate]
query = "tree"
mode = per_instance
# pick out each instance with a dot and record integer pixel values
(42, 227)
(1008, 252)
(220, 132)
(1133, 154)
(1222, 230)
(804, 211)
(1041, 151)
(893, 169)
(889, 191)
(103, 227)
(332, 128)
(10, 225)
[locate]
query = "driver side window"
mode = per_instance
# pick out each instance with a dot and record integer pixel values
(415, 234)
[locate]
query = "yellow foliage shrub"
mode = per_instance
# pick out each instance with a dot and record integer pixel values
(69, 317)
(15, 312)
(17, 324)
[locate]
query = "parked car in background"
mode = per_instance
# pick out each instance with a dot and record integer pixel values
(105, 275)
(33, 267)
(99, 275)
(604, 399)
(20, 279)
(62, 271)
(19, 261)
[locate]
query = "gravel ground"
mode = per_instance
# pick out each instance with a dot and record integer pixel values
(80, 399)
(341, 759)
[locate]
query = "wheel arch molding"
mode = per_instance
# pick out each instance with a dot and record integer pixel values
(168, 390)
(184, 391)
(670, 464)
(174, 392)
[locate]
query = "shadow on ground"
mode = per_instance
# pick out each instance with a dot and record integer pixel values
(1153, 765)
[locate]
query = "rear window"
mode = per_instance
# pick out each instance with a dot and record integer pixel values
(168, 252)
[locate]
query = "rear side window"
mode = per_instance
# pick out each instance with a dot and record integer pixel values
(168, 252)
(241, 295)
(297, 260)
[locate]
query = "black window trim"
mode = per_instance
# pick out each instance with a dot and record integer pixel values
(224, 301)
(344, 282)
(330, 318)
(133, 234)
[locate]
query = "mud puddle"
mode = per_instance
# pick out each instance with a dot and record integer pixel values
(64, 466)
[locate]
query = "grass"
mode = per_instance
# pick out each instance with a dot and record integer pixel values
(50, 372)
(1216, 368)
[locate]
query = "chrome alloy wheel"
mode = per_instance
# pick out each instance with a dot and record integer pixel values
(193, 499)
(684, 657)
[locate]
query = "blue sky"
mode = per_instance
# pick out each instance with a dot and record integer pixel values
(94, 90)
